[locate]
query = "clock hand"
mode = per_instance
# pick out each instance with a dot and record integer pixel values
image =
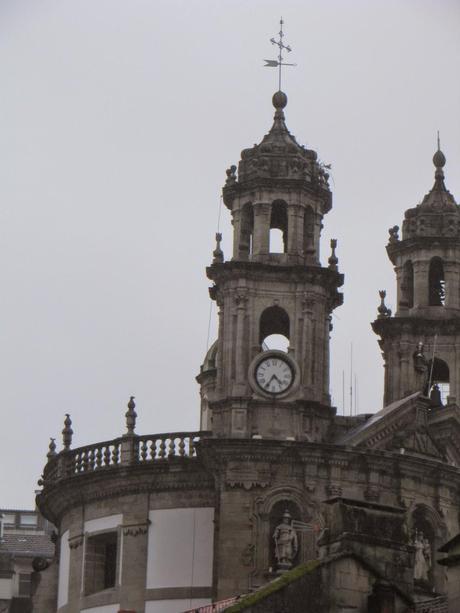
(267, 385)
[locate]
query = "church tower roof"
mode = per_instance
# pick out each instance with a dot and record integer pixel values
(278, 158)
(438, 214)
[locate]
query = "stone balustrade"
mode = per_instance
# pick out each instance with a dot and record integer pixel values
(126, 450)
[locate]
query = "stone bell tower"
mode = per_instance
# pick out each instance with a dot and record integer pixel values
(247, 390)
(420, 343)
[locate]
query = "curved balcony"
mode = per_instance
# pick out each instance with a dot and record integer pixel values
(127, 450)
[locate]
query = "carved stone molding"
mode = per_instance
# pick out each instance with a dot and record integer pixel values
(136, 529)
(76, 541)
(247, 477)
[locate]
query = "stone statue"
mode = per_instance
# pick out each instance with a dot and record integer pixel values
(286, 543)
(422, 562)
(427, 552)
(421, 368)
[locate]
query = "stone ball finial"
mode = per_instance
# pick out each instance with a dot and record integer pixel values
(439, 159)
(279, 100)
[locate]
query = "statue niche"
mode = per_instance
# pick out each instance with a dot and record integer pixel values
(423, 539)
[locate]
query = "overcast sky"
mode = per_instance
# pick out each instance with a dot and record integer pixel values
(118, 119)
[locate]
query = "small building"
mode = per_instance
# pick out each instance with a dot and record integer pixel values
(25, 536)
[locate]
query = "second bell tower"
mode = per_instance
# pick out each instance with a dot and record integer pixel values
(420, 343)
(280, 191)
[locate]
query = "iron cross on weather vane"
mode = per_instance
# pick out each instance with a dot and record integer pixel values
(282, 47)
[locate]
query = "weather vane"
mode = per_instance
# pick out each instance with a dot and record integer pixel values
(281, 46)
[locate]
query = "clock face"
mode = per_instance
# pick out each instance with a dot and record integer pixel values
(274, 375)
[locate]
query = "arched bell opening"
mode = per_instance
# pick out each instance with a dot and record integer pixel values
(246, 231)
(438, 385)
(436, 283)
(407, 286)
(309, 231)
(274, 329)
(278, 227)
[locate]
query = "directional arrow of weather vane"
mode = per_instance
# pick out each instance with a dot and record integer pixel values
(282, 47)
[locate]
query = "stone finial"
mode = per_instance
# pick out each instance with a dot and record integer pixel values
(383, 310)
(131, 416)
(218, 254)
(333, 260)
(51, 449)
(67, 432)
(394, 236)
(231, 175)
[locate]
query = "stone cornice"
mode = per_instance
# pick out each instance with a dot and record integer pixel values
(409, 245)
(278, 184)
(295, 273)
(218, 452)
(396, 326)
(175, 474)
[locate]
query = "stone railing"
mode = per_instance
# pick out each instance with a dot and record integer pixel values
(165, 446)
(126, 450)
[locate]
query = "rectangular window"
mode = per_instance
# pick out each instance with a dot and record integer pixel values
(9, 519)
(24, 584)
(29, 520)
(101, 562)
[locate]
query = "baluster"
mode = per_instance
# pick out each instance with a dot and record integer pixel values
(115, 454)
(162, 451)
(99, 457)
(107, 455)
(171, 447)
(91, 459)
(144, 451)
(84, 461)
(78, 466)
(153, 449)
(192, 441)
(182, 446)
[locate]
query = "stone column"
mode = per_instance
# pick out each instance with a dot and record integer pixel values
(295, 222)
(241, 299)
(305, 360)
(134, 533)
(399, 294)
(420, 284)
(261, 237)
(220, 352)
(326, 394)
(318, 228)
(236, 223)
(405, 383)
(452, 286)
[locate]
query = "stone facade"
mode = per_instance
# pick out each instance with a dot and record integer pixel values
(172, 522)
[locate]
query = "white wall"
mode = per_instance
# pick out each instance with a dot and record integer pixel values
(6, 589)
(180, 549)
(108, 608)
(103, 523)
(174, 606)
(64, 570)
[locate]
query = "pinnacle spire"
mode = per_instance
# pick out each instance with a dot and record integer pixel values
(439, 160)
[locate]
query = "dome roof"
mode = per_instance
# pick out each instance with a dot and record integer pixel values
(278, 156)
(438, 214)
(209, 362)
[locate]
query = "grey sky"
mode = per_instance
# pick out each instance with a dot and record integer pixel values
(118, 119)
